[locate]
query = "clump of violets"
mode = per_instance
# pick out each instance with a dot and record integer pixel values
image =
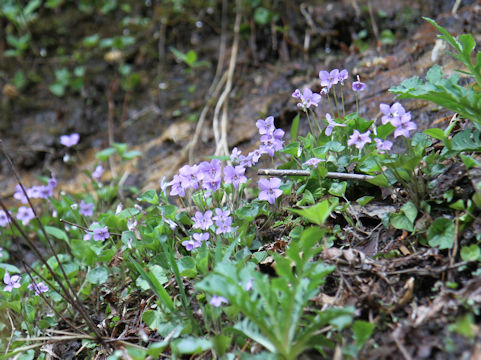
(269, 189)
(331, 125)
(397, 116)
(39, 287)
(11, 282)
(70, 140)
(195, 241)
(35, 192)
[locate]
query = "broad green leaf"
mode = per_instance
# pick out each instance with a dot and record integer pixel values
(470, 253)
(153, 318)
(150, 196)
(316, 214)
(362, 331)
(191, 345)
(57, 233)
(103, 155)
(364, 200)
(379, 180)
(441, 233)
(338, 189)
(435, 133)
(400, 221)
(295, 127)
(98, 275)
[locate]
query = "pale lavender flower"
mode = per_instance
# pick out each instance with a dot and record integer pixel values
(101, 234)
(97, 173)
(224, 227)
(87, 236)
(176, 186)
(220, 215)
(254, 156)
(44, 191)
(392, 113)
(329, 78)
(297, 94)
(69, 140)
(189, 176)
(404, 126)
(266, 126)
(38, 287)
(249, 284)
(52, 182)
(11, 282)
(4, 219)
(308, 99)
(119, 208)
(235, 175)
(358, 85)
(359, 140)
(200, 237)
(331, 125)
(383, 145)
(217, 300)
(210, 170)
(202, 221)
(269, 189)
(313, 161)
(272, 142)
(191, 244)
(86, 209)
(25, 214)
(324, 91)
(20, 195)
(235, 155)
(343, 75)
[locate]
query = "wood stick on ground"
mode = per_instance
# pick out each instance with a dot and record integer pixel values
(332, 175)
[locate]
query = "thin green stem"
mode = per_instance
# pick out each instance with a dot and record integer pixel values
(335, 100)
(342, 100)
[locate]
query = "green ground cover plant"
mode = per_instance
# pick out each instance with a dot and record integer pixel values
(195, 249)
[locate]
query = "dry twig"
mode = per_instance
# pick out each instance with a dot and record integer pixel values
(332, 175)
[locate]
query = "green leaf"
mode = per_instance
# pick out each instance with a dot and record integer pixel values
(103, 155)
(153, 318)
(410, 210)
(295, 127)
(466, 140)
(435, 133)
(262, 16)
(98, 275)
(57, 89)
(187, 267)
(150, 196)
(469, 161)
(338, 189)
(191, 345)
(190, 57)
(362, 331)
(364, 200)
(441, 233)
(129, 155)
(154, 284)
(316, 214)
(57, 233)
(379, 180)
(470, 253)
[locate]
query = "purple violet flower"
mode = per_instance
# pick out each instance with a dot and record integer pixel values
(200, 237)
(101, 234)
(4, 219)
(269, 189)
(210, 170)
(217, 300)
(296, 94)
(176, 186)
(97, 173)
(266, 126)
(359, 140)
(19, 194)
(248, 285)
(313, 161)
(191, 244)
(25, 214)
(358, 85)
(189, 176)
(38, 287)
(309, 98)
(11, 282)
(235, 155)
(404, 126)
(220, 215)
(329, 78)
(324, 91)
(70, 140)
(224, 227)
(235, 175)
(86, 209)
(391, 113)
(332, 125)
(203, 221)
(383, 145)
(343, 75)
